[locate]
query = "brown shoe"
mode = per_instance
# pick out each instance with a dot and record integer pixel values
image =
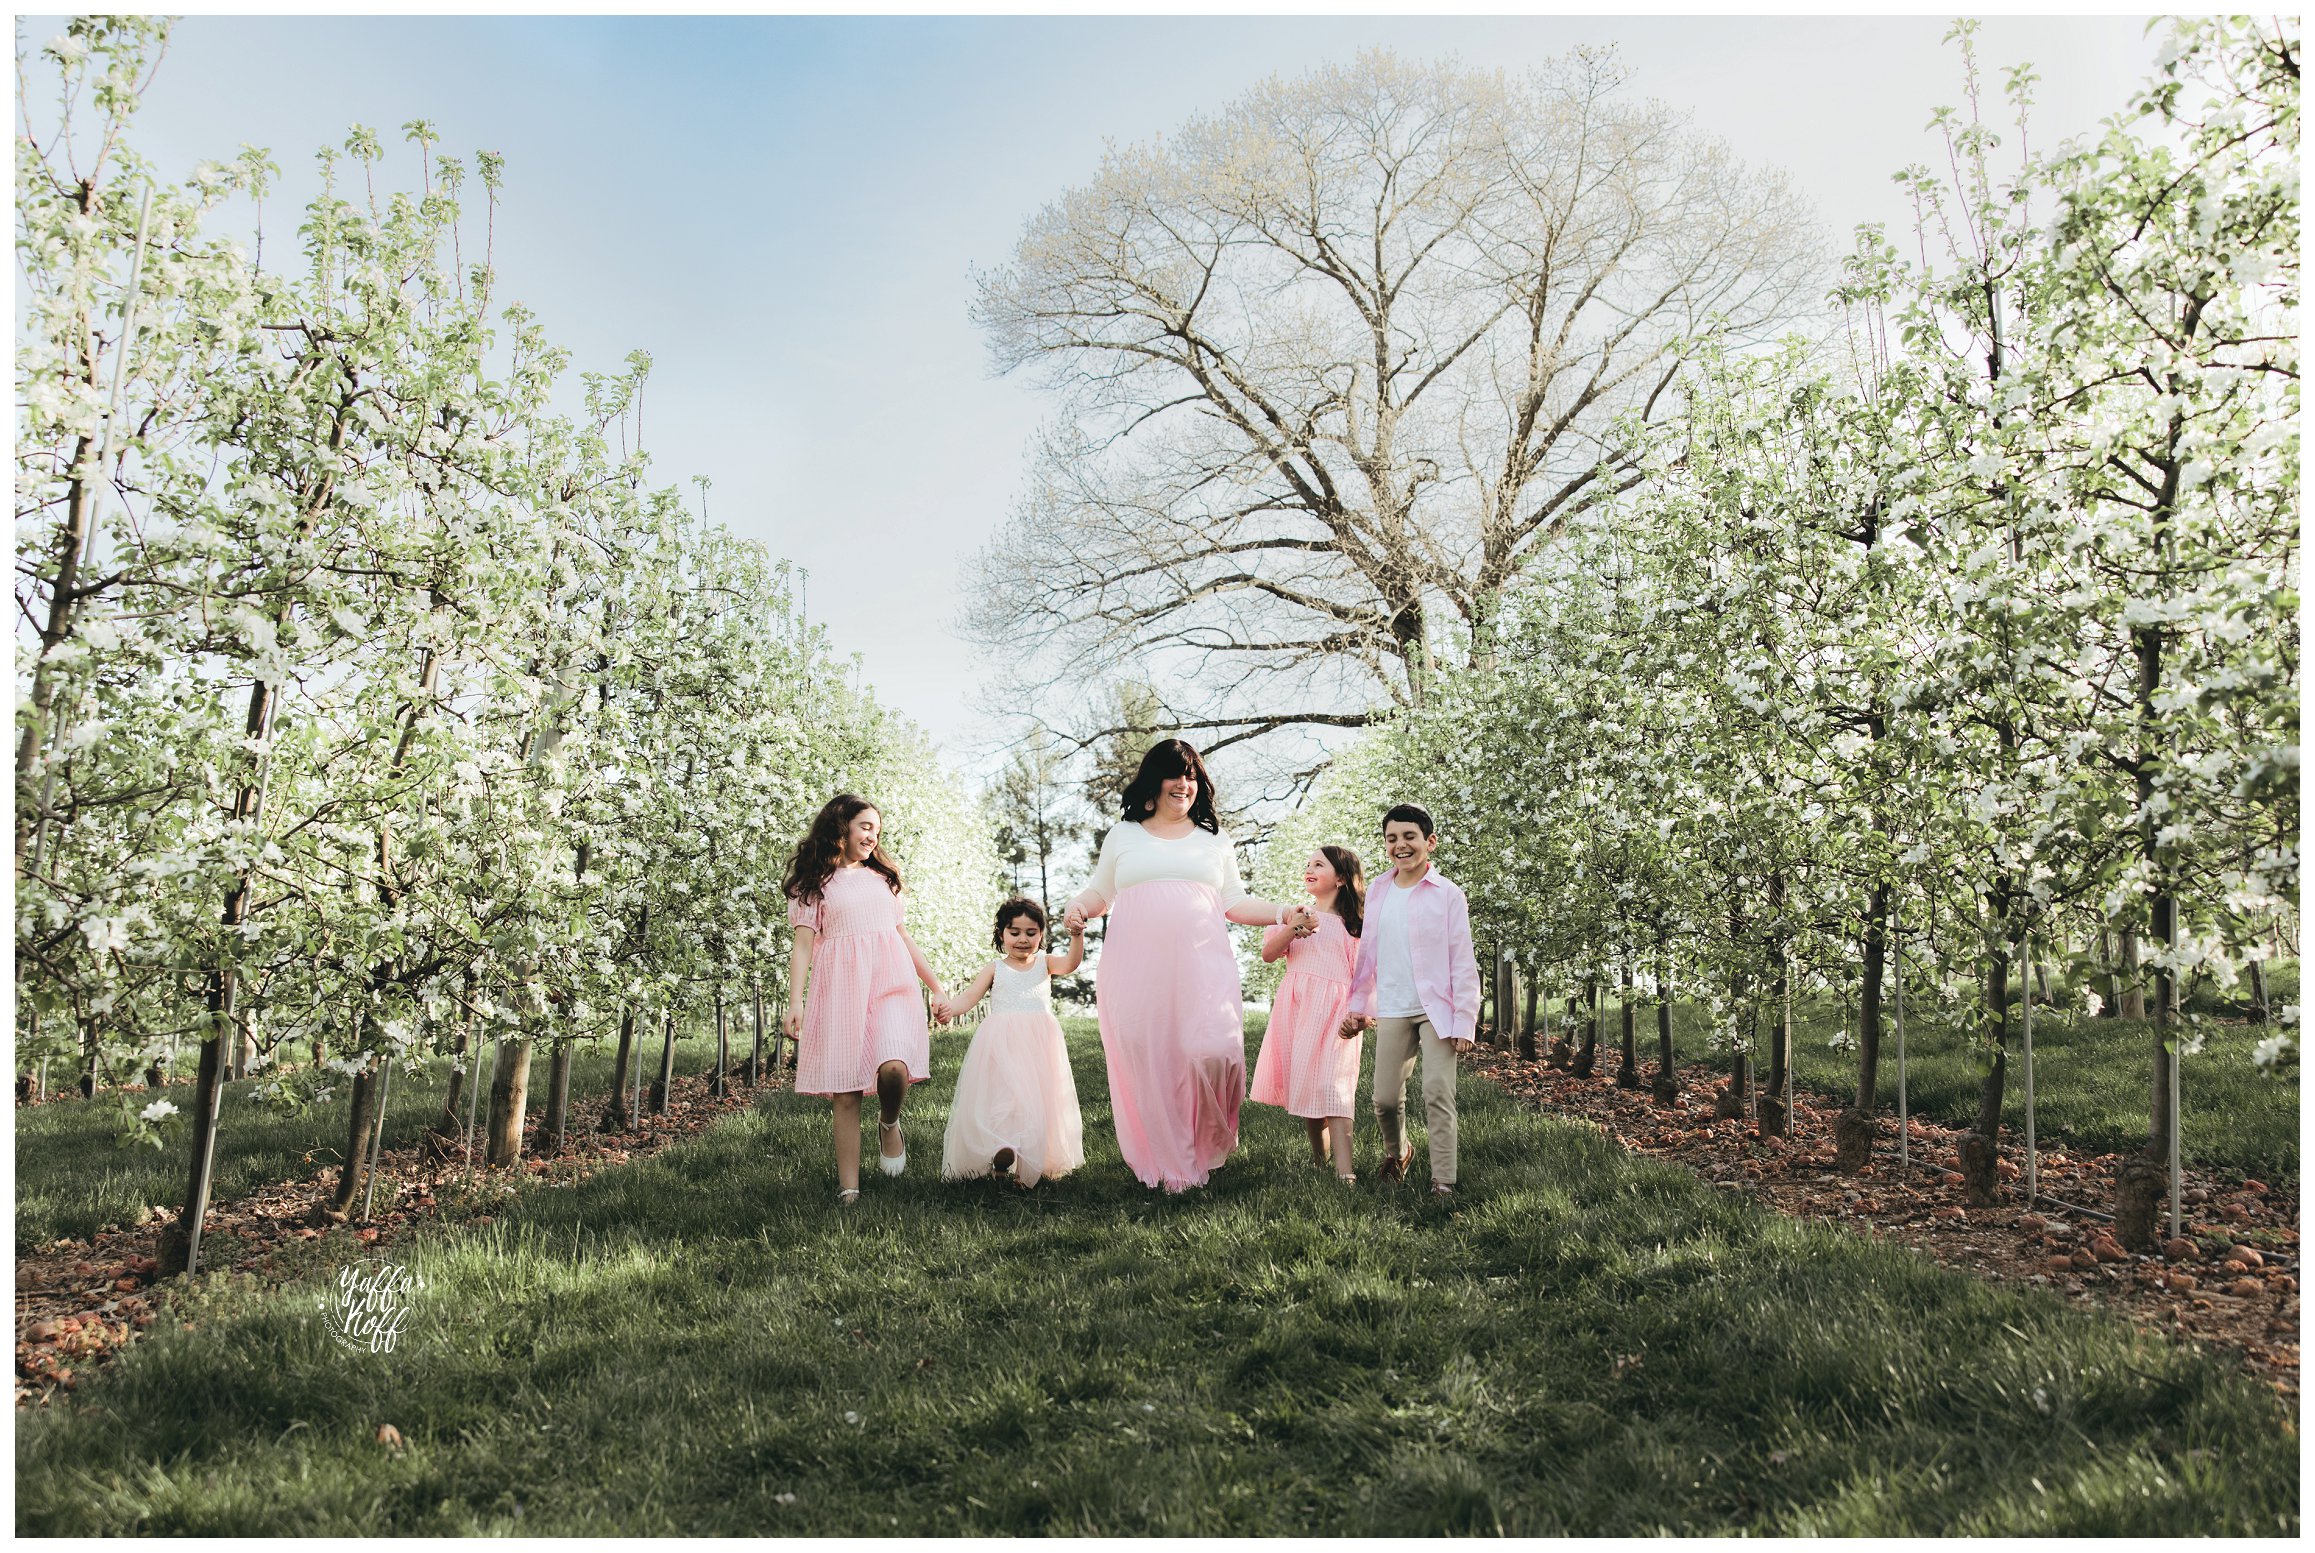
(1396, 1169)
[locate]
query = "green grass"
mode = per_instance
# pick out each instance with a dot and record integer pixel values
(701, 1343)
(2092, 1079)
(75, 1175)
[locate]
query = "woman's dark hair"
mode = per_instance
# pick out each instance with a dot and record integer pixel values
(1018, 906)
(1167, 759)
(823, 848)
(1350, 894)
(1410, 811)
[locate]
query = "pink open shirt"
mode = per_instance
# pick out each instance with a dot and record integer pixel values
(1439, 943)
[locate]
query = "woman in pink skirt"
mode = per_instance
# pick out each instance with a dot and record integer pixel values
(1306, 1064)
(1166, 988)
(863, 1026)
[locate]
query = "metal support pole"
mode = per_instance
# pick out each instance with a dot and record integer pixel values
(378, 1138)
(1791, 1048)
(2033, 1158)
(1904, 1132)
(2177, 1122)
(473, 1103)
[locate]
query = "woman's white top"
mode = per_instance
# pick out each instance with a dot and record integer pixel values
(1021, 992)
(1130, 855)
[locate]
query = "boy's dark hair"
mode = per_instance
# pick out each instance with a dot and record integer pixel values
(1411, 811)
(1018, 906)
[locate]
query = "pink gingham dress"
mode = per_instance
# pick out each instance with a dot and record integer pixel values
(1305, 1064)
(862, 1006)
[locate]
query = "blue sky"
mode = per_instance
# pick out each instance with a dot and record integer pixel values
(786, 212)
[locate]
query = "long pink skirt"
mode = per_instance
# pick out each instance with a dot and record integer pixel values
(1174, 1031)
(1305, 1065)
(1015, 1092)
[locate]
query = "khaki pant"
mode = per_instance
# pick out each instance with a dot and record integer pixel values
(1396, 1043)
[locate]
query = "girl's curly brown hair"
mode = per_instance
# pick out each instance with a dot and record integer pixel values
(822, 849)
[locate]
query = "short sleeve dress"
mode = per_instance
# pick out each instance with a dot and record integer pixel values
(862, 1008)
(1305, 1065)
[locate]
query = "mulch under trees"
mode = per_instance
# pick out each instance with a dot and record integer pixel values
(78, 1302)
(2231, 1279)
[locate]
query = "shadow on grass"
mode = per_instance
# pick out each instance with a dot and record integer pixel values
(702, 1343)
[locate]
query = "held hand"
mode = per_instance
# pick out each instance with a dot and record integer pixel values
(1074, 920)
(1460, 1048)
(1355, 1026)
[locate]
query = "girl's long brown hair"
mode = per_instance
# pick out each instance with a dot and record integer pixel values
(823, 848)
(1350, 893)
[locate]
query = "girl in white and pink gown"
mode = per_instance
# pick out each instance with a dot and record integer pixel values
(1015, 1108)
(1172, 1024)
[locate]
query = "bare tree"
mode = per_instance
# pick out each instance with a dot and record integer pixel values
(1333, 366)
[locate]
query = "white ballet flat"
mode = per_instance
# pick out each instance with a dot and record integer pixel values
(891, 1164)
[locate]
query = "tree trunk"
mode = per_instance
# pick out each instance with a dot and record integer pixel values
(87, 1055)
(1773, 1122)
(1527, 1021)
(362, 1121)
(1588, 1055)
(615, 1114)
(1981, 1147)
(1628, 1070)
(666, 1079)
(722, 1048)
(1559, 1049)
(509, 1099)
(442, 1136)
(2131, 1004)
(756, 1052)
(2145, 1179)
(2260, 1008)
(1854, 1128)
(1667, 1085)
(1735, 1095)
(182, 1246)
(554, 1127)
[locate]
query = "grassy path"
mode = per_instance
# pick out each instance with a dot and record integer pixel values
(700, 1343)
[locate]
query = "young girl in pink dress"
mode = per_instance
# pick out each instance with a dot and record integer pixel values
(1306, 1064)
(1172, 1026)
(862, 1026)
(1016, 1102)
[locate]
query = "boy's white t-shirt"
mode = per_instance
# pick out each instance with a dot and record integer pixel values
(1395, 996)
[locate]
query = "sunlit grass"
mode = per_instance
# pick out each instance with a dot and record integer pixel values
(703, 1343)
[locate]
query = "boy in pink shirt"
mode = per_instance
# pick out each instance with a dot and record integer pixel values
(1417, 984)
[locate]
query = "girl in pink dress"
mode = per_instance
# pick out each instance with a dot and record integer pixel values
(1172, 1026)
(1015, 1107)
(1306, 1064)
(862, 1026)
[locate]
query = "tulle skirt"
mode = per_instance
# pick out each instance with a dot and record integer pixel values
(1015, 1092)
(1173, 1029)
